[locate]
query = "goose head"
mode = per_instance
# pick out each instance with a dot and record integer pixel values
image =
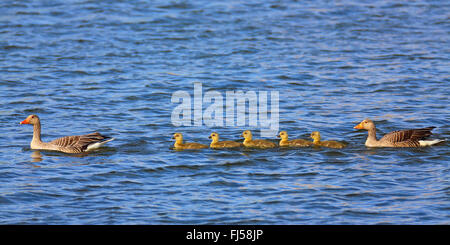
(31, 119)
(214, 136)
(315, 136)
(247, 134)
(366, 124)
(283, 135)
(178, 137)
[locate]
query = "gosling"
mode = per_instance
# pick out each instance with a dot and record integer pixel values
(292, 143)
(328, 143)
(249, 142)
(179, 145)
(222, 144)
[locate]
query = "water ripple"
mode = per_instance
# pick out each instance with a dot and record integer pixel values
(112, 67)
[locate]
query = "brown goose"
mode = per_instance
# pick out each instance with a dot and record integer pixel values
(292, 143)
(327, 143)
(222, 144)
(179, 145)
(67, 144)
(250, 142)
(400, 138)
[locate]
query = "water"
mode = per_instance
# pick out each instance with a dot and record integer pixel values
(112, 66)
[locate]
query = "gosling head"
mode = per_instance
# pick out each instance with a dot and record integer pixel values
(247, 134)
(214, 136)
(178, 137)
(283, 135)
(31, 119)
(316, 136)
(366, 124)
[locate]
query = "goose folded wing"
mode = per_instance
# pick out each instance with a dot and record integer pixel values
(79, 141)
(407, 135)
(422, 133)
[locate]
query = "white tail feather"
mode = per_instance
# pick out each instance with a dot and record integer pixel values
(98, 144)
(429, 142)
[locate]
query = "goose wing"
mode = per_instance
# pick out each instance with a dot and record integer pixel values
(227, 144)
(264, 143)
(408, 135)
(332, 144)
(193, 145)
(300, 142)
(79, 143)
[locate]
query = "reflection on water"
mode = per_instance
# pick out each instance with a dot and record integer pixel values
(36, 156)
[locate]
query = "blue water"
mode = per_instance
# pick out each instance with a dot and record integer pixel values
(112, 67)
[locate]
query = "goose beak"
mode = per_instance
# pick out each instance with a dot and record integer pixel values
(25, 122)
(359, 126)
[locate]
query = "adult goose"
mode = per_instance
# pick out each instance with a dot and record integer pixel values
(292, 143)
(250, 142)
(180, 145)
(400, 138)
(67, 144)
(222, 144)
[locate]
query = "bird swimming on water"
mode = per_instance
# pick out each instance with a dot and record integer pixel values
(222, 144)
(328, 143)
(180, 145)
(67, 144)
(399, 138)
(250, 142)
(292, 143)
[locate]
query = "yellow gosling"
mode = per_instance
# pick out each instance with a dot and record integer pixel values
(179, 145)
(328, 143)
(222, 144)
(292, 143)
(250, 142)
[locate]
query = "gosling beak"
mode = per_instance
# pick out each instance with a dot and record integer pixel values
(209, 137)
(278, 136)
(25, 122)
(359, 126)
(173, 138)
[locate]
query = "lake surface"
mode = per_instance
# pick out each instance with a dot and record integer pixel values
(113, 66)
